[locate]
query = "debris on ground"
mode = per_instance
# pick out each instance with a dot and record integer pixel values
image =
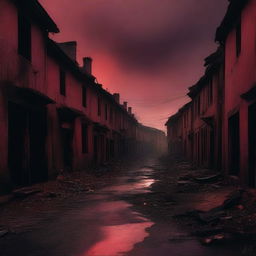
(25, 192)
(213, 239)
(5, 199)
(27, 206)
(208, 179)
(3, 232)
(210, 207)
(233, 220)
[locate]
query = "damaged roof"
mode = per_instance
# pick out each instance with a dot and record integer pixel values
(233, 13)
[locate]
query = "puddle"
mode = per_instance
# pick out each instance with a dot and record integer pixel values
(119, 239)
(137, 187)
(123, 228)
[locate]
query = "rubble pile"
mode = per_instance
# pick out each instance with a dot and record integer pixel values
(233, 220)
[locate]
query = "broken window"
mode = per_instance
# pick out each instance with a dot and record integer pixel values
(24, 36)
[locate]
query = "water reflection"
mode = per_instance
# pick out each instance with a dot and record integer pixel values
(119, 239)
(140, 186)
(123, 228)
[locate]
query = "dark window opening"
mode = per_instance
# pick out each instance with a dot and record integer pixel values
(84, 96)
(24, 37)
(106, 111)
(111, 115)
(234, 144)
(62, 82)
(238, 37)
(84, 138)
(198, 106)
(211, 92)
(99, 106)
(252, 144)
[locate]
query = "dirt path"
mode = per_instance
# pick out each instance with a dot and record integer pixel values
(131, 213)
(175, 202)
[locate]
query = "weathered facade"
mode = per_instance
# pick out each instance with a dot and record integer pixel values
(237, 33)
(223, 107)
(196, 130)
(206, 113)
(179, 131)
(24, 27)
(53, 114)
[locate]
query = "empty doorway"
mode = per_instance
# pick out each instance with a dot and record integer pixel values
(27, 159)
(234, 144)
(252, 144)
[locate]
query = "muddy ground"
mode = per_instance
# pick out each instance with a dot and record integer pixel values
(207, 206)
(21, 210)
(202, 205)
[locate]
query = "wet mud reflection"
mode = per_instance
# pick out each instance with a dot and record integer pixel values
(119, 239)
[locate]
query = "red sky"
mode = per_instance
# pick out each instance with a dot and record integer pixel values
(150, 51)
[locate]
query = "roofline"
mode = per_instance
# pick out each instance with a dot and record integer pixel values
(151, 128)
(212, 63)
(233, 12)
(38, 13)
(178, 113)
(57, 52)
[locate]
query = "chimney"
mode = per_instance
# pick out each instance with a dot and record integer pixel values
(130, 110)
(117, 97)
(87, 65)
(125, 105)
(69, 48)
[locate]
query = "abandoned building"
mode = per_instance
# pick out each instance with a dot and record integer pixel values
(237, 34)
(54, 115)
(223, 108)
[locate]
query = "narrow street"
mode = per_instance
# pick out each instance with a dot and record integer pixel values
(106, 223)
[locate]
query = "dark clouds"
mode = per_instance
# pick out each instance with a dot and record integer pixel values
(149, 50)
(148, 34)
